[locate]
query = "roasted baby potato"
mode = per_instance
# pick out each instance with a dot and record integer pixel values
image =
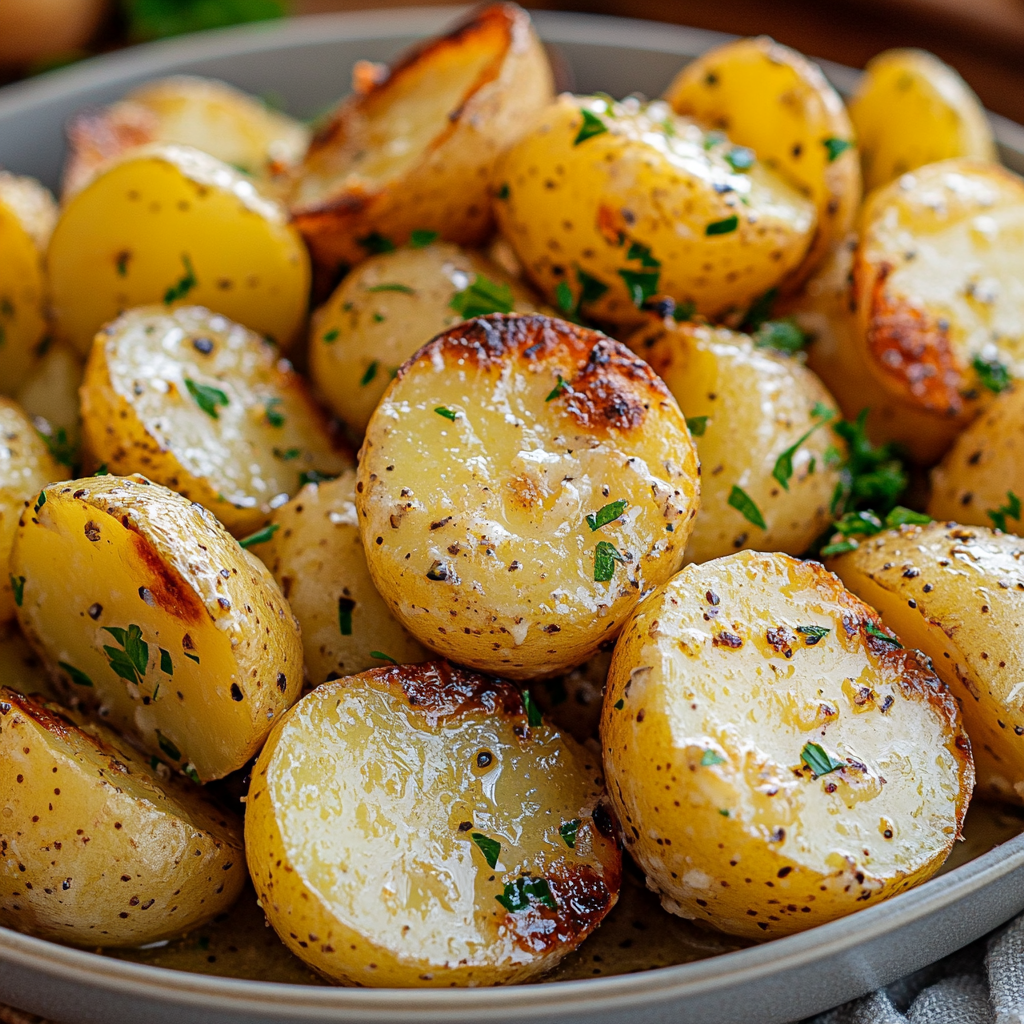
(422, 826)
(49, 394)
(388, 307)
(100, 849)
(957, 594)
(779, 105)
(763, 729)
(761, 422)
(143, 607)
(938, 284)
(413, 148)
(608, 205)
(911, 109)
(171, 224)
(316, 555)
(206, 407)
(521, 484)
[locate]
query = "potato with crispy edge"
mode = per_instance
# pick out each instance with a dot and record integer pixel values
(521, 484)
(775, 101)
(146, 610)
(174, 225)
(100, 849)
(413, 148)
(776, 760)
(761, 422)
(911, 109)
(957, 594)
(421, 826)
(207, 408)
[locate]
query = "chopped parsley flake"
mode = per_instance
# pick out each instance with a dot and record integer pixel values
(403, 289)
(592, 125)
(206, 397)
(565, 299)
(167, 746)
(532, 710)
(819, 760)
(287, 454)
(184, 285)
(421, 238)
(992, 373)
(619, 704)
(481, 297)
(871, 477)
(312, 476)
(879, 634)
(783, 470)
(40, 502)
(591, 288)
(557, 389)
(518, 894)
(166, 666)
(331, 335)
(345, 608)
(381, 656)
(260, 536)
(121, 261)
(443, 410)
(131, 659)
(18, 586)
(812, 634)
(77, 676)
(607, 514)
(275, 417)
(190, 771)
(710, 758)
(371, 372)
(490, 848)
(744, 504)
(63, 450)
(568, 830)
(605, 557)
(1010, 510)
(191, 657)
(697, 425)
(866, 524)
(782, 335)
(642, 284)
(722, 227)
(503, 192)
(835, 148)
(641, 252)
(760, 311)
(375, 243)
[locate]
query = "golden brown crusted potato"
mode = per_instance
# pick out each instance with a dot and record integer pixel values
(759, 418)
(762, 729)
(98, 848)
(775, 101)
(389, 306)
(144, 608)
(477, 476)
(207, 408)
(608, 205)
(420, 826)
(957, 594)
(316, 555)
(414, 147)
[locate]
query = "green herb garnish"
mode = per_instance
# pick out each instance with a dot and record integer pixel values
(641, 252)
(992, 373)
(421, 238)
(697, 425)
(331, 335)
(1011, 509)
(206, 397)
(18, 586)
(503, 192)
(605, 557)
(481, 297)
(313, 476)
(819, 760)
(744, 504)
(166, 666)
(371, 372)
(183, 286)
(642, 284)
(381, 656)
(564, 298)
(835, 148)
(376, 244)
(710, 758)
(557, 389)
(782, 335)
(260, 536)
(275, 417)
(532, 710)
(131, 659)
(443, 410)
(871, 477)
(879, 634)
(77, 676)
(518, 894)
(286, 454)
(812, 634)
(722, 227)
(403, 289)
(156, 19)
(606, 514)
(63, 450)
(40, 502)
(783, 469)
(591, 288)
(490, 848)
(592, 125)
(568, 830)
(167, 746)
(345, 608)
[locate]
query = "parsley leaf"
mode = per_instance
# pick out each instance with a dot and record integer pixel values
(490, 848)
(744, 504)
(592, 288)
(533, 712)
(375, 243)
(783, 469)
(812, 634)
(568, 830)
(564, 297)
(879, 634)
(697, 425)
(819, 760)
(167, 746)
(371, 372)
(642, 284)
(18, 586)
(739, 158)
(206, 397)
(605, 557)
(77, 676)
(448, 414)
(641, 252)
(260, 536)
(592, 125)
(481, 297)
(782, 335)
(992, 373)
(518, 894)
(331, 335)
(157, 19)
(166, 666)
(1011, 509)
(381, 656)
(184, 285)
(710, 758)
(40, 502)
(607, 514)
(63, 450)
(558, 389)
(403, 289)
(835, 148)
(313, 476)
(421, 238)
(275, 417)
(871, 477)
(345, 608)
(760, 311)
(722, 227)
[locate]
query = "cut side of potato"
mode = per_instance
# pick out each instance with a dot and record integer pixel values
(174, 225)
(207, 408)
(422, 826)
(522, 483)
(148, 612)
(776, 759)
(98, 848)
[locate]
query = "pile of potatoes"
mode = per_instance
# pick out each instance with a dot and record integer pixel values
(621, 374)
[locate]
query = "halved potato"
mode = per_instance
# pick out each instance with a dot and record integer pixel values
(147, 611)
(939, 284)
(775, 758)
(911, 109)
(207, 408)
(388, 307)
(174, 225)
(316, 555)
(522, 483)
(957, 594)
(414, 147)
(422, 826)
(769, 458)
(775, 101)
(99, 848)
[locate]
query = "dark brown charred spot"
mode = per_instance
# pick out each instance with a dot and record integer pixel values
(166, 587)
(727, 639)
(780, 639)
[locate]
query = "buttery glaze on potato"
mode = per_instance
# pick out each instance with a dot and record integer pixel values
(753, 406)
(207, 408)
(420, 826)
(148, 612)
(610, 204)
(719, 684)
(98, 848)
(479, 470)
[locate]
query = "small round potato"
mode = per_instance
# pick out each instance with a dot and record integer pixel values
(316, 555)
(207, 408)
(761, 423)
(775, 758)
(522, 483)
(98, 848)
(388, 307)
(422, 826)
(148, 612)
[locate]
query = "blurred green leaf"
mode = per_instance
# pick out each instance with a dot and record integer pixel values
(155, 19)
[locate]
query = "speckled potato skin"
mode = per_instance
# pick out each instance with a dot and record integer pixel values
(174, 225)
(758, 404)
(316, 555)
(360, 826)
(98, 848)
(218, 654)
(712, 697)
(140, 415)
(939, 282)
(644, 199)
(476, 476)
(775, 101)
(367, 329)
(957, 594)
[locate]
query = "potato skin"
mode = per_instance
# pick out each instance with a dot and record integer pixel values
(98, 848)
(143, 607)
(712, 696)
(478, 470)
(455, 755)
